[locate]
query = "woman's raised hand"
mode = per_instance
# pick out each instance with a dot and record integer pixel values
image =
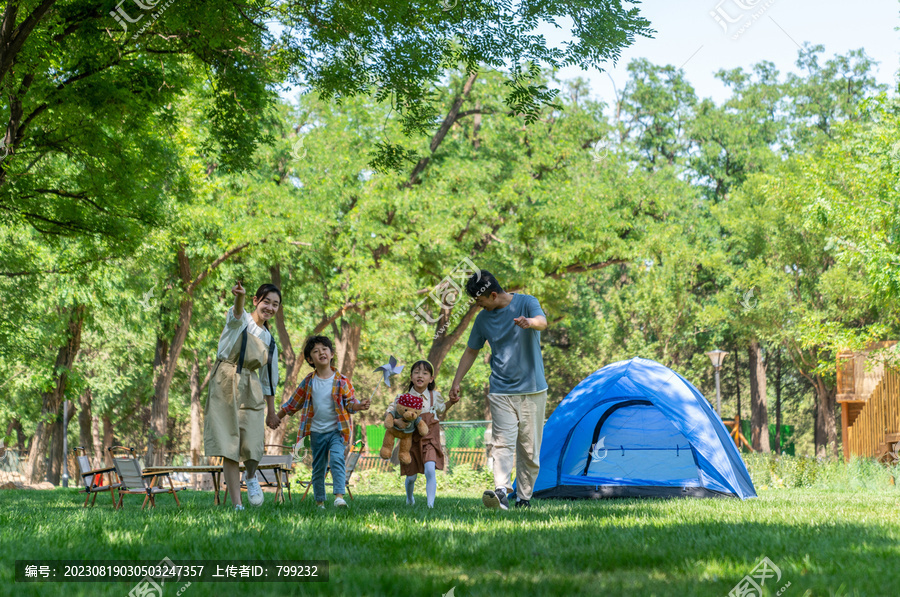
(238, 290)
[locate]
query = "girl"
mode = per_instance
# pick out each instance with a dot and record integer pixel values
(426, 451)
(233, 426)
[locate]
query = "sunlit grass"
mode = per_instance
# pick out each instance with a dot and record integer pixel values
(825, 542)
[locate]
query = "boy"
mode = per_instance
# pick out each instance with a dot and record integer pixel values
(325, 401)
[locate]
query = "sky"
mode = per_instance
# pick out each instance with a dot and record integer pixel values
(688, 35)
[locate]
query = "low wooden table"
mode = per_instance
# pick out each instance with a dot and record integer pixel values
(216, 470)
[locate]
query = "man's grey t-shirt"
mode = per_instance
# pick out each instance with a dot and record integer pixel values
(516, 363)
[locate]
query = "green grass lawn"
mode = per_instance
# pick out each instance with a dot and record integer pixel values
(825, 542)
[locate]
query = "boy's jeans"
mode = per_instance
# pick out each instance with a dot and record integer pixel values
(324, 444)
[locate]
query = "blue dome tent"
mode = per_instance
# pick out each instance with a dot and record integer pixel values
(638, 429)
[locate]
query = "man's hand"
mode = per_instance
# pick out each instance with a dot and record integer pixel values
(453, 400)
(273, 421)
(539, 323)
(454, 393)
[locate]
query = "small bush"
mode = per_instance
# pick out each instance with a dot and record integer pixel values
(771, 471)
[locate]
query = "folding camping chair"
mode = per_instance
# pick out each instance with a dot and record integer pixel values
(93, 478)
(350, 460)
(285, 464)
(133, 480)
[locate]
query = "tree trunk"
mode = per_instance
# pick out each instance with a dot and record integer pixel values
(57, 452)
(98, 460)
(347, 345)
(778, 401)
(197, 388)
(109, 437)
(35, 467)
(85, 438)
(443, 342)
(289, 360)
(54, 460)
(826, 428)
(759, 416)
(476, 127)
(167, 357)
(16, 425)
(737, 381)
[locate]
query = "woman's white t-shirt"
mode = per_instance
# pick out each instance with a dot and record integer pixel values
(232, 334)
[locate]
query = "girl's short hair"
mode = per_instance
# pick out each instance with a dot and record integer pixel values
(428, 368)
(311, 343)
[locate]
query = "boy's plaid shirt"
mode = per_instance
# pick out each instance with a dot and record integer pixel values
(341, 393)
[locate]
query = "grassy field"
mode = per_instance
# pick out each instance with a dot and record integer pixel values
(838, 536)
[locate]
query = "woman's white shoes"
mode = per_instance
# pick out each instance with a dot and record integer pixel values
(254, 492)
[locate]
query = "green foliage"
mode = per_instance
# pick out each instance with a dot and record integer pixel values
(697, 226)
(90, 115)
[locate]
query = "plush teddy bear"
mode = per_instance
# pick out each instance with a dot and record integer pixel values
(401, 421)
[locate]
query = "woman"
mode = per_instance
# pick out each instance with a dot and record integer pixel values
(246, 371)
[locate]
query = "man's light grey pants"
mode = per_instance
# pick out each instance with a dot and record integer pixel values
(518, 425)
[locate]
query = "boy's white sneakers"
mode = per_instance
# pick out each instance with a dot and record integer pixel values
(254, 492)
(340, 503)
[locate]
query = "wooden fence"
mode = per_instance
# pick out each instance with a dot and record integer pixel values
(870, 426)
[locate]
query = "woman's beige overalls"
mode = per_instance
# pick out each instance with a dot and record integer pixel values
(234, 425)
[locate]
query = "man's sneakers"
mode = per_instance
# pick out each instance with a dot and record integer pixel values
(254, 492)
(523, 504)
(495, 499)
(339, 503)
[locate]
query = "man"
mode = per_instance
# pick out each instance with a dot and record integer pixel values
(512, 324)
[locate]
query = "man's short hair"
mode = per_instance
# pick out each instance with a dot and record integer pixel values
(482, 283)
(311, 343)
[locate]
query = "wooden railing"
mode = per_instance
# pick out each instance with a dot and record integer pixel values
(473, 456)
(877, 421)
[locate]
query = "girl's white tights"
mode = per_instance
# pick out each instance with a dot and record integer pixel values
(430, 485)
